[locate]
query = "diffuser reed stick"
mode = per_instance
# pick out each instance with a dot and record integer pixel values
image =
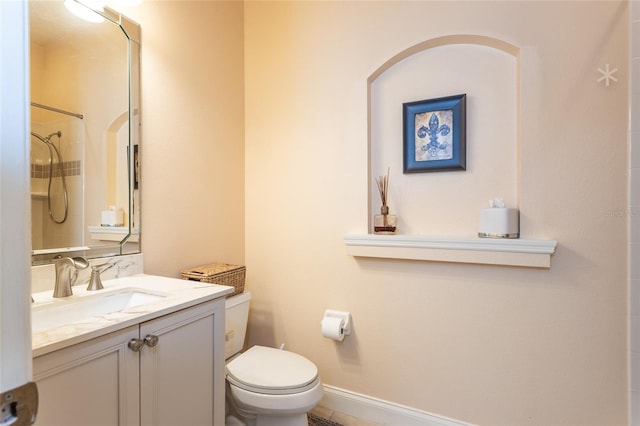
(383, 188)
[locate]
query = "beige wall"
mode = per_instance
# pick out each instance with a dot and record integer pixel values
(192, 131)
(489, 345)
(485, 344)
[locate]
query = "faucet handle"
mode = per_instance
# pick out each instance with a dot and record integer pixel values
(95, 282)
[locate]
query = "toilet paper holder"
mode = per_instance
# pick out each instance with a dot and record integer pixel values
(346, 316)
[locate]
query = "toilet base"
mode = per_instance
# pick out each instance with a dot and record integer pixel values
(237, 416)
(234, 421)
(262, 420)
(294, 420)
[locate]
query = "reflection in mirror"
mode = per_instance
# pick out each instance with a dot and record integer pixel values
(56, 183)
(85, 136)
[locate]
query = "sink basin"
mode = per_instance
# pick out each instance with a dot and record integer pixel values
(80, 309)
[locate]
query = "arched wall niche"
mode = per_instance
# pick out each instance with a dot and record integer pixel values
(117, 140)
(487, 69)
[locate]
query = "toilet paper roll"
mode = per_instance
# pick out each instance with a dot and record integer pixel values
(333, 328)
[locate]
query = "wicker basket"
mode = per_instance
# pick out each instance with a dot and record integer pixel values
(218, 273)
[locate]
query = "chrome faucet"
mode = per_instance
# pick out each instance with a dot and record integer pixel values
(66, 274)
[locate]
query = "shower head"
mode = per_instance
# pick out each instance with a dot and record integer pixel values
(43, 139)
(47, 140)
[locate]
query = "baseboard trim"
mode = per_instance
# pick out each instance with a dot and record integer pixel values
(380, 411)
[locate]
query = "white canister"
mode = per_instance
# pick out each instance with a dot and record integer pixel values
(112, 217)
(499, 221)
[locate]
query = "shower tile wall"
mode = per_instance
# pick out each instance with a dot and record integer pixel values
(68, 168)
(634, 213)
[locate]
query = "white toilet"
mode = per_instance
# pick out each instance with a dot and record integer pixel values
(265, 386)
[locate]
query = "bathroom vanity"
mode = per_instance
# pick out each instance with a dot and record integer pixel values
(146, 350)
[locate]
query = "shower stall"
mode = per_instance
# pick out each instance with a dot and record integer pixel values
(57, 149)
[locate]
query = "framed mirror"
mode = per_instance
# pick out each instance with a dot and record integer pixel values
(85, 137)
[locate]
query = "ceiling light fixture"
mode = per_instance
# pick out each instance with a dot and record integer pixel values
(86, 9)
(124, 3)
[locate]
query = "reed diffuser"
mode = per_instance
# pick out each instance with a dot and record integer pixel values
(384, 223)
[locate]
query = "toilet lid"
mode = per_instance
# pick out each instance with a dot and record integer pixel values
(269, 369)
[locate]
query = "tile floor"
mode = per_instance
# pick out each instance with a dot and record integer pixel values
(341, 418)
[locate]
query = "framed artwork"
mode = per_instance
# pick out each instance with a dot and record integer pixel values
(136, 167)
(435, 134)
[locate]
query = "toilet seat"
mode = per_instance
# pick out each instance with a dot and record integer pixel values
(272, 371)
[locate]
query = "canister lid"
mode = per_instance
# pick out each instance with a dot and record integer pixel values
(271, 369)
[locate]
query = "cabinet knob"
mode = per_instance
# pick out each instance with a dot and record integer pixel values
(151, 340)
(135, 344)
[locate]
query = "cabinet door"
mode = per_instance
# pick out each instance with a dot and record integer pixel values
(182, 375)
(92, 383)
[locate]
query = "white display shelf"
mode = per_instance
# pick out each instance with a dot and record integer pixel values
(38, 195)
(488, 251)
(113, 233)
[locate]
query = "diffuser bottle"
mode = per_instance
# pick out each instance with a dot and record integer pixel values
(384, 223)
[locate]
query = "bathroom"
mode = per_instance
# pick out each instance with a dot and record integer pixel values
(256, 151)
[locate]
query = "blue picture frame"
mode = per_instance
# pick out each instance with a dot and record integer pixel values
(434, 134)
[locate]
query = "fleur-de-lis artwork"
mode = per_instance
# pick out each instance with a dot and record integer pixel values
(437, 127)
(434, 134)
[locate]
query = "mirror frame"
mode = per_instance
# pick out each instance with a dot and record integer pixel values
(131, 30)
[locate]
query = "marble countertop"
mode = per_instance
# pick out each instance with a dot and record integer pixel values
(173, 295)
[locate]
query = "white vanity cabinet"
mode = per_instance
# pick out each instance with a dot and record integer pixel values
(175, 377)
(92, 383)
(179, 382)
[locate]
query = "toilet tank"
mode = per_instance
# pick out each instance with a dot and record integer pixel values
(235, 324)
